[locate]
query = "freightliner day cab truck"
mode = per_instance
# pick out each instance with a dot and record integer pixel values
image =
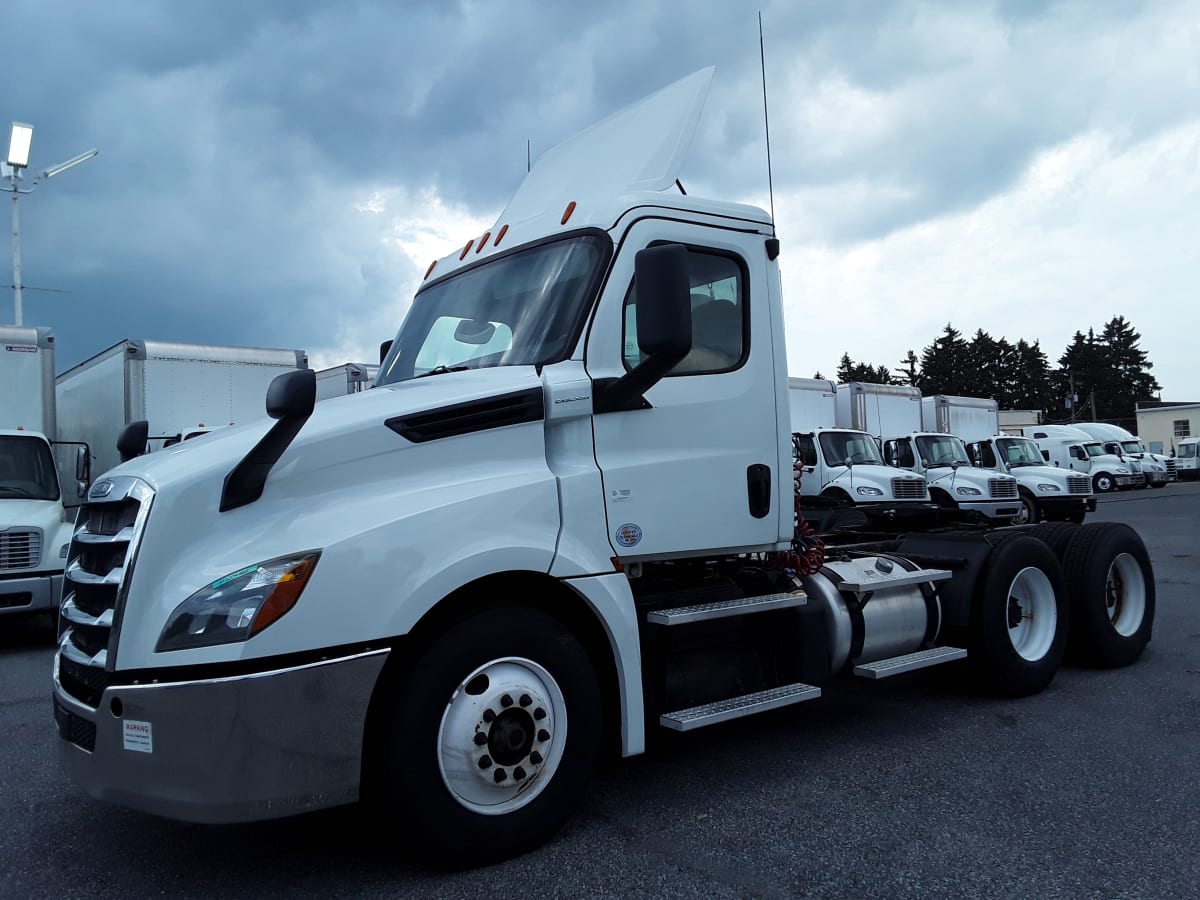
(563, 516)
(1187, 460)
(892, 413)
(1158, 469)
(35, 530)
(843, 465)
(1067, 447)
(1047, 493)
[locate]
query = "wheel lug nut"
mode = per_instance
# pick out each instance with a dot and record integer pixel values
(485, 762)
(506, 700)
(534, 757)
(518, 773)
(526, 699)
(543, 735)
(480, 738)
(539, 714)
(499, 775)
(488, 715)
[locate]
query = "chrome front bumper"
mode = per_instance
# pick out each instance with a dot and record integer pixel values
(235, 749)
(992, 509)
(32, 594)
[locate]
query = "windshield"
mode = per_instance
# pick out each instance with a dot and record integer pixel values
(523, 309)
(1187, 451)
(1093, 449)
(839, 446)
(1020, 452)
(26, 469)
(1132, 447)
(942, 450)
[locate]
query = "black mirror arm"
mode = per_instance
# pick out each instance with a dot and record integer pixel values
(628, 392)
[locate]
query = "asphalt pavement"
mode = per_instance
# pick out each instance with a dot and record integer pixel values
(912, 787)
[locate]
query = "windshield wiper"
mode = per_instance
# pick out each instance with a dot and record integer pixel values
(442, 370)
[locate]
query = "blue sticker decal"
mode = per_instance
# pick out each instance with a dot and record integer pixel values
(629, 535)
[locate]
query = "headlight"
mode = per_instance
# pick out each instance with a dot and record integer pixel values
(1049, 488)
(968, 491)
(1122, 471)
(240, 605)
(870, 491)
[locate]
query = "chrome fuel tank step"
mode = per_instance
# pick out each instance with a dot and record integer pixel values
(737, 707)
(700, 612)
(909, 662)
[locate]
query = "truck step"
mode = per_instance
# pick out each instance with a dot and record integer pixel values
(910, 662)
(736, 707)
(700, 612)
(894, 580)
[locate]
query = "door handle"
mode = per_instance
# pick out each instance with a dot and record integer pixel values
(758, 489)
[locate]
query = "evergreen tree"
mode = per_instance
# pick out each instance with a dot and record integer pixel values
(908, 373)
(944, 364)
(1081, 370)
(848, 370)
(1032, 387)
(1126, 375)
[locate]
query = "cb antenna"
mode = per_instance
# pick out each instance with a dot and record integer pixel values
(528, 156)
(762, 58)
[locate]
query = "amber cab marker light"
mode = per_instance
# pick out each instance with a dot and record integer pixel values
(429, 271)
(483, 241)
(466, 249)
(500, 235)
(567, 213)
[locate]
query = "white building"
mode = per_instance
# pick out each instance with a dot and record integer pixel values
(1162, 425)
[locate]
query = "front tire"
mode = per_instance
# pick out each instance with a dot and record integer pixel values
(1019, 624)
(1103, 483)
(493, 736)
(1030, 514)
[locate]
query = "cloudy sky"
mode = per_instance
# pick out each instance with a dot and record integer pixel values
(280, 173)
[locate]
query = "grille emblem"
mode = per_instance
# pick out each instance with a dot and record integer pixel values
(101, 489)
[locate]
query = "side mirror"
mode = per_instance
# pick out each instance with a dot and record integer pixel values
(132, 441)
(83, 467)
(292, 395)
(384, 349)
(81, 489)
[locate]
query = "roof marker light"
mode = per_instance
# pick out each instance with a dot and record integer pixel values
(466, 249)
(500, 235)
(483, 241)
(567, 212)
(429, 271)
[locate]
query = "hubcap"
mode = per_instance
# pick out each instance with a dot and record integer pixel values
(1032, 614)
(502, 736)
(1125, 595)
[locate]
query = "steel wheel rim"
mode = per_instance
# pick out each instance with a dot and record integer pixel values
(1032, 614)
(1125, 594)
(1026, 514)
(521, 744)
(1104, 483)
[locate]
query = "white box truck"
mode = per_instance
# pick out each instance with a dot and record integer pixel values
(181, 390)
(34, 527)
(1068, 447)
(348, 378)
(1046, 493)
(892, 413)
(563, 516)
(1159, 470)
(843, 465)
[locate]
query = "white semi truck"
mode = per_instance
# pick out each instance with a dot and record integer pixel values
(1159, 470)
(1068, 447)
(35, 527)
(843, 465)
(563, 516)
(1187, 460)
(1047, 493)
(892, 413)
(348, 378)
(180, 390)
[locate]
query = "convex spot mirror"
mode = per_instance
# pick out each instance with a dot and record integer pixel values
(132, 441)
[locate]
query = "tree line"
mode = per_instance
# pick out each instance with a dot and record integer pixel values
(1099, 376)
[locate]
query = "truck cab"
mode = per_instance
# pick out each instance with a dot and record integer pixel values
(1069, 448)
(1047, 493)
(953, 482)
(1158, 469)
(1187, 460)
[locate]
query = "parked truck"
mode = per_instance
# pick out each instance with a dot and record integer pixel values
(35, 530)
(563, 516)
(1046, 493)
(181, 390)
(1159, 470)
(892, 413)
(1068, 447)
(1187, 460)
(842, 465)
(348, 378)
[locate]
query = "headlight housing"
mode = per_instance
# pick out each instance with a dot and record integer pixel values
(240, 605)
(1049, 488)
(968, 491)
(870, 491)
(1120, 470)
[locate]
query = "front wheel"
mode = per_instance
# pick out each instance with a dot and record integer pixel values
(493, 736)
(1103, 483)
(1029, 514)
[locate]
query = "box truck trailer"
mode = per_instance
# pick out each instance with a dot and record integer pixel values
(563, 516)
(181, 391)
(348, 378)
(1046, 493)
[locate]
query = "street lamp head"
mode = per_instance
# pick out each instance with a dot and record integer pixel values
(63, 166)
(18, 145)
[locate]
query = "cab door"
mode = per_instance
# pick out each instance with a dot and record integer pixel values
(698, 470)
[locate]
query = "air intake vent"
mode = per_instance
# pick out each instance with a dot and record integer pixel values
(475, 415)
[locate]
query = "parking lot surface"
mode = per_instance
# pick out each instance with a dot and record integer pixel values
(913, 787)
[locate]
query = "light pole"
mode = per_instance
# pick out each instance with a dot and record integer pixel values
(19, 141)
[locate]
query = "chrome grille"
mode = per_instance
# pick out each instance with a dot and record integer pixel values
(908, 489)
(103, 548)
(20, 548)
(1172, 469)
(1002, 488)
(1079, 484)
